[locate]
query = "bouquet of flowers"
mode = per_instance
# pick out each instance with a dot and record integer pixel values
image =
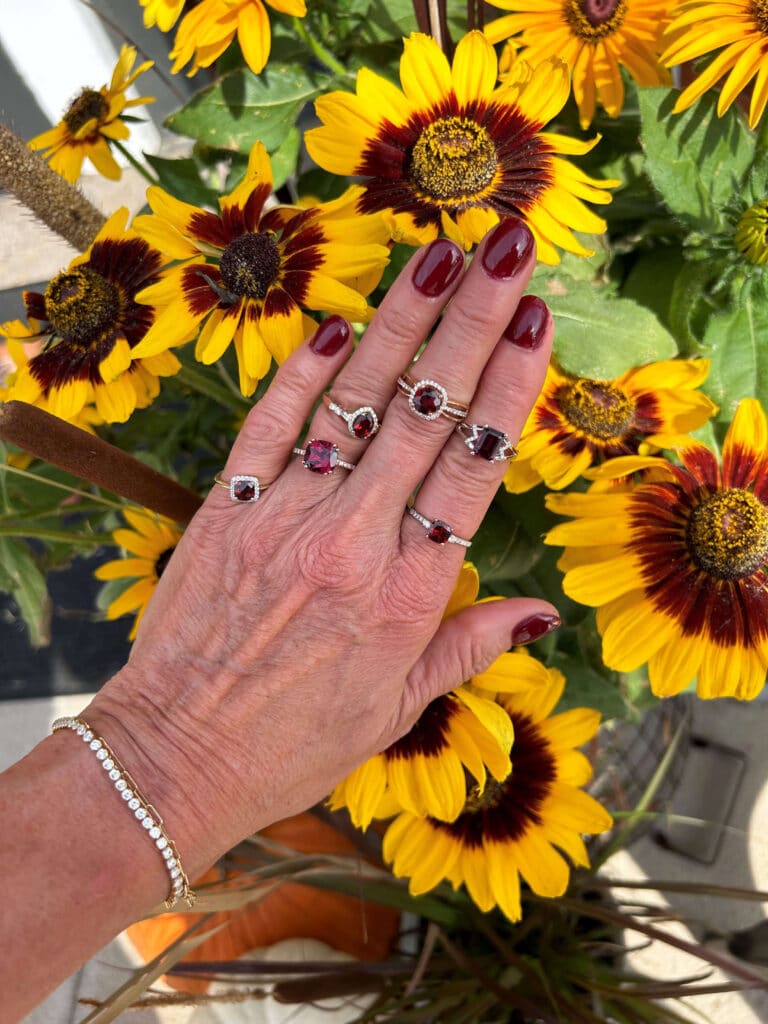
(326, 141)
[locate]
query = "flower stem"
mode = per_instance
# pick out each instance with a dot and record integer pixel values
(205, 385)
(16, 471)
(134, 162)
(54, 536)
(323, 55)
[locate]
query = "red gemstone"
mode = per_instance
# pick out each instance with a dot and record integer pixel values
(243, 490)
(321, 456)
(427, 400)
(439, 532)
(363, 425)
(487, 443)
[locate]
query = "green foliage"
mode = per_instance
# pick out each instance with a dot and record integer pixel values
(21, 576)
(735, 341)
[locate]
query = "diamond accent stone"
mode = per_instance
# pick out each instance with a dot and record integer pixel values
(80, 730)
(108, 765)
(127, 794)
(321, 456)
(172, 862)
(141, 813)
(120, 785)
(154, 832)
(133, 803)
(244, 488)
(167, 852)
(101, 754)
(114, 775)
(147, 823)
(87, 736)
(175, 872)
(161, 843)
(95, 744)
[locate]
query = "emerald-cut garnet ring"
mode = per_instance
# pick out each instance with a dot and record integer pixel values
(242, 488)
(321, 457)
(361, 423)
(438, 531)
(487, 442)
(427, 399)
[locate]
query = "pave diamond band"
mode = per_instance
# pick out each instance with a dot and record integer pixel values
(321, 457)
(427, 399)
(487, 442)
(241, 487)
(438, 531)
(362, 423)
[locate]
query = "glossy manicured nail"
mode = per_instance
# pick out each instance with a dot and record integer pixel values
(533, 628)
(330, 336)
(441, 263)
(526, 328)
(507, 247)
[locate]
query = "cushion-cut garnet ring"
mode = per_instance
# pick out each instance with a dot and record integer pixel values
(438, 531)
(242, 488)
(427, 399)
(490, 444)
(321, 456)
(361, 423)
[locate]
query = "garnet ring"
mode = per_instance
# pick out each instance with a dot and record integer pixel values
(361, 423)
(321, 457)
(427, 399)
(242, 488)
(438, 531)
(490, 444)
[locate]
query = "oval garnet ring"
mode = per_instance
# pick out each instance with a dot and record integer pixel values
(242, 488)
(427, 399)
(321, 457)
(361, 423)
(438, 531)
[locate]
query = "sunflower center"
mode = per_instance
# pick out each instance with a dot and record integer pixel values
(751, 236)
(454, 158)
(89, 104)
(250, 264)
(81, 304)
(490, 797)
(728, 534)
(759, 11)
(593, 19)
(162, 560)
(596, 407)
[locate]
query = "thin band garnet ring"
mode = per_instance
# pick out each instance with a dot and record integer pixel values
(490, 444)
(438, 531)
(242, 488)
(427, 399)
(361, 423)
(321, 457)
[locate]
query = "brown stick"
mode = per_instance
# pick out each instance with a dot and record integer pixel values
(95, 460)
(50, 198)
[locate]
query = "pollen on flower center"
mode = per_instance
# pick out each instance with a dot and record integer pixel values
(250, 264)
(728, 534)
(759, 11)
(599, 409)
(594, 19)
(454, 158)
(162, 560)
(751, 237)
(490, 797)
(81, 304)
(89, 104)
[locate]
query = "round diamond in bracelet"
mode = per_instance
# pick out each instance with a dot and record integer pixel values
(143, 811)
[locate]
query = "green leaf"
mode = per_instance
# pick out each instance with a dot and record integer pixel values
(501, 550)
(588, 689)
(242, 108)
(735, 341)
(696, 160)
(182, 179)
(598, 334)
(27, 585)
(285, 157)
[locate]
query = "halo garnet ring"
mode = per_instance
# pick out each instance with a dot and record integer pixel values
(490, 444)
(361, 423)
(242, 488)
(438, 531)
(321, 457)
(427, 399)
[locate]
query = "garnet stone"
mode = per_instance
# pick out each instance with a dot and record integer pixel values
(321, 456)
(428, 399)
(244, 488)
(364, 423)
(439, 532)
(486, 442)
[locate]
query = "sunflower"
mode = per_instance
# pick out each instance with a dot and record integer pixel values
(512, 827)
(595, 38)
(676, 564)
(94, 119)
(208, 29)
(452, 151)
(424, 771)
(152, 539)
(247, 274)
(751, 237)
(163, 13)
(90, 322)
(739, 30)
(578, 421)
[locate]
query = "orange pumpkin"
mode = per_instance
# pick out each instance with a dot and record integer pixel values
(366, 931)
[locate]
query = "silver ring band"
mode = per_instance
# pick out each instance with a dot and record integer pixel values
(242, 488)
(362, 423)
(321, 457)
(438, 531)
(487, 442)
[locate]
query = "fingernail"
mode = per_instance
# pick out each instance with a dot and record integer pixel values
(526, 328)
(533, 628)
(507, 247)
(441, 263)
(330, 336)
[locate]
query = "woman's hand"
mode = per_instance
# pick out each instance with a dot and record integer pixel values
(290, 639)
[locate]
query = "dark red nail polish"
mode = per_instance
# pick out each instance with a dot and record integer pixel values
(330, 336)
(441, 263)
(507, 248)
(533, 628)
(527, 326)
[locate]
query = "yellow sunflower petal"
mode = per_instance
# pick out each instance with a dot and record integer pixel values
(424, 71)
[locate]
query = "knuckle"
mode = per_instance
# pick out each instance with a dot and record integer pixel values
(395, 329)
(405, 600)
(458, 467)
(471, 318)
(328, 561)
